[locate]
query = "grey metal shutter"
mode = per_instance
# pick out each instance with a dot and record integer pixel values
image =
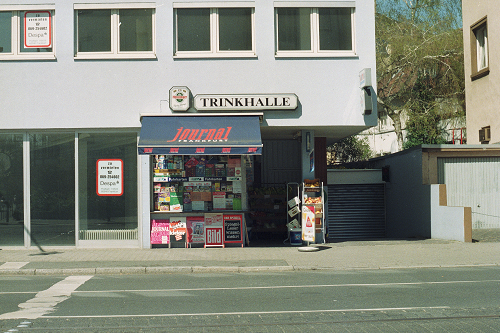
(356, 212)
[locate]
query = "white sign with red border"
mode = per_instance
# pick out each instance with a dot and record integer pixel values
(37, 29)
(109, 177)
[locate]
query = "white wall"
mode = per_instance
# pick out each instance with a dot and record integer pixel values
(447, 222)
(68, 93)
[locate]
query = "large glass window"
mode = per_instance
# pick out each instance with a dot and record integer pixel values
(218, 32)
(335, 30)
(94, 30)
(11, 190)
(314, 31)
(5, 32)
(193, 29)
(26, 34)
(52, 190)
(101, 216)
(114, 33)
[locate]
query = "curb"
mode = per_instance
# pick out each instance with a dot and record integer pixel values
(208, 269)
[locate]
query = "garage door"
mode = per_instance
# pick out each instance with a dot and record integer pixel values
(356, 212)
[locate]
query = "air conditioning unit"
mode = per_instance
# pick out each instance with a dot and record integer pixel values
(485, 134)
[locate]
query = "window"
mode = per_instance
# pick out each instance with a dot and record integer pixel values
(26, 32)
(102, 31)
(202, 31)
(479, 50)
(323, 31)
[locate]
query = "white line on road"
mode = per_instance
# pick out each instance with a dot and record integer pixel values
(292, 287)
(252, 313)
(13, 264)
(45, 301)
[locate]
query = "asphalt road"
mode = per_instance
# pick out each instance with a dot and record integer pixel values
(391, 300)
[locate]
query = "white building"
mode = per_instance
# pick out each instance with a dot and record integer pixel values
(77, 79)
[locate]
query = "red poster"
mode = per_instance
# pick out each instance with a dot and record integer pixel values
(213, 236)
(195, 229)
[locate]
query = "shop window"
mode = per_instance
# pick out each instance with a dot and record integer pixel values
(324, 31)
(107, 195)
(52, 189)
(479, 50)
(102, 31)
(27, 33)
(11, 190)
(214, 32)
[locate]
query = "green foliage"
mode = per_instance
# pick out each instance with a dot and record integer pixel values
(350, 149)
(424, 128)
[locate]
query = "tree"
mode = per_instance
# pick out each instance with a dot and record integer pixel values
(420, 64)
(350, 149)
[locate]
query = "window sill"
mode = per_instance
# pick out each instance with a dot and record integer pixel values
(112, 56)
(30, 57)
(211, 55)
(482, 73)
(300, 54)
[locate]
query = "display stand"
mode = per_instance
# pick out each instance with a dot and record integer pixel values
(293, 216)
(313, 217)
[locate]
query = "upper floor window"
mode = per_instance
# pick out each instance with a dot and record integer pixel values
(204, 31)
(114, 31)
(479, 49)
(27, 32)
(323, 31)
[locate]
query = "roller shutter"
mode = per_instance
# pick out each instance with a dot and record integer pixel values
(356, 212)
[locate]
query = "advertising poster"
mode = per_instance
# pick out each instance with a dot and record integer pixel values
(195, 229)
(109, 177)
(178, 231)
(160, 232)
(214, 220)
(213, 236)
(233, 228)
(308, 224)
(37, 29)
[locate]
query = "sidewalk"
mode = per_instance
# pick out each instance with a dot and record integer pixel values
(333, 256)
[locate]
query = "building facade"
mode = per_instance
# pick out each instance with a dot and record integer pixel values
(481, 20)
(84, 83)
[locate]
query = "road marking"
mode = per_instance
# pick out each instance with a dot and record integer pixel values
(13, 264)
(252, 313)
(45, 301)
(290, 287)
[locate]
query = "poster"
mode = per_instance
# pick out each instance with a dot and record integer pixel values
(233, 228)
(308, 224)
(195, 229)
(109, 177)
(178, 231)
(213, 236)
(160, 232)
(37, 31)
(214, 222)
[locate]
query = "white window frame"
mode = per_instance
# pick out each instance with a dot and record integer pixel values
(315, 47)
(214, 30)
(16, 20)
(115, 52)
